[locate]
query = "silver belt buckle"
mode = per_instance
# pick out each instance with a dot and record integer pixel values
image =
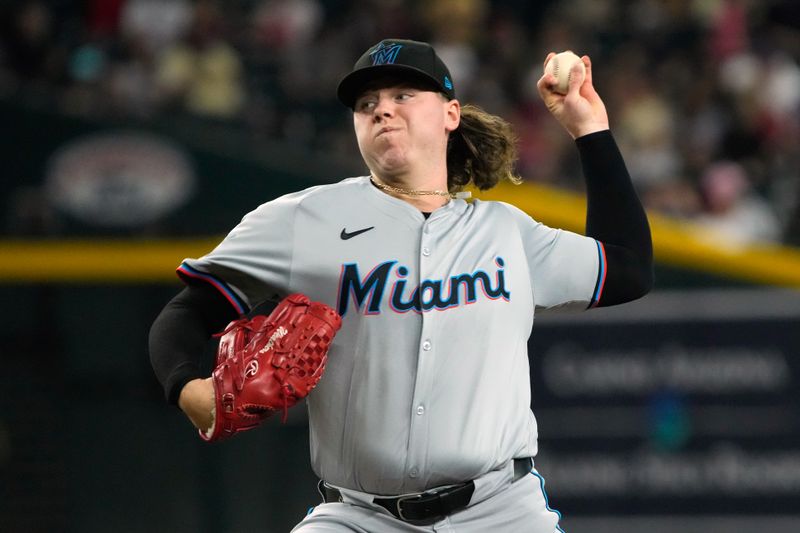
(401, 499)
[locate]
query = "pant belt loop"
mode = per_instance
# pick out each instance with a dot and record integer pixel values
(522, 467)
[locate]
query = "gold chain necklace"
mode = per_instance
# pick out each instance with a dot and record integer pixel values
(416, 192)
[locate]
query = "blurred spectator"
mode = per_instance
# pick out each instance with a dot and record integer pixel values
(735, 215)
(203, 73)
(647, 130)
(284, 33)
(455, 27)
(132, 78)
(728, 34)
(287, 24)
(779, 92)
(156, 24)
(86, 71)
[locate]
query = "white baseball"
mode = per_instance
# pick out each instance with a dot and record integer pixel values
(560, 66)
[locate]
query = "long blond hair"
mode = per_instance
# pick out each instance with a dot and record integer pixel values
(481, 151)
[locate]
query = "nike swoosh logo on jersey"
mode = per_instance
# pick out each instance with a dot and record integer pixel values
(344, 235)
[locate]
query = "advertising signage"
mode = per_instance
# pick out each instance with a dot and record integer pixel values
(678, 403)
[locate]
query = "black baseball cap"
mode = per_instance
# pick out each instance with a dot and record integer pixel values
(414, 60)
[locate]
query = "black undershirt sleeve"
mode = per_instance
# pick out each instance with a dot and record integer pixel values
(615, 217)
(180, 334)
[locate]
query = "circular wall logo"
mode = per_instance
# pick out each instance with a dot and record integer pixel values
(119, 179)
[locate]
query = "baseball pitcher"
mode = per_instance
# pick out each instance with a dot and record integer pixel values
(409, 307)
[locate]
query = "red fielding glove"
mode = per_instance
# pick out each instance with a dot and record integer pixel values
(269, 363)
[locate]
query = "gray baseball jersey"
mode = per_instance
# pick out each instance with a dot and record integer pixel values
(427, 382)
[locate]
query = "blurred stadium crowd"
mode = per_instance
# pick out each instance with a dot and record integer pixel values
(703, 95)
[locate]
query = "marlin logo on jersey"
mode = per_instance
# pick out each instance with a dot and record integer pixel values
(385, 53)
(368, 292)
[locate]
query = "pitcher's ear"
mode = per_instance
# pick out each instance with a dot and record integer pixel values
(453, 118)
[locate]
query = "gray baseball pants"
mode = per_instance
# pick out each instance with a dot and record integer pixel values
(498, 506)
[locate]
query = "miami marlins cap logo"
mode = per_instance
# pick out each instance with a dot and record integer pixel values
(413, 60)
(385, 53)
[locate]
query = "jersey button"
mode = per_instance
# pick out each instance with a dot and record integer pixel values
(413, 472)
(426, 251)
(427, 346)
(420, 410)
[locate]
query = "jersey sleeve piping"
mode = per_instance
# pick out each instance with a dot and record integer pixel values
(602, 270)
(186, 273)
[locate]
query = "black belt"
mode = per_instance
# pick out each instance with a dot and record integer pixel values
(431, 505)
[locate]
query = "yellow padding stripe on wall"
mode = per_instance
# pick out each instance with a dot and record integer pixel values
(97, 260)
(676, 244)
